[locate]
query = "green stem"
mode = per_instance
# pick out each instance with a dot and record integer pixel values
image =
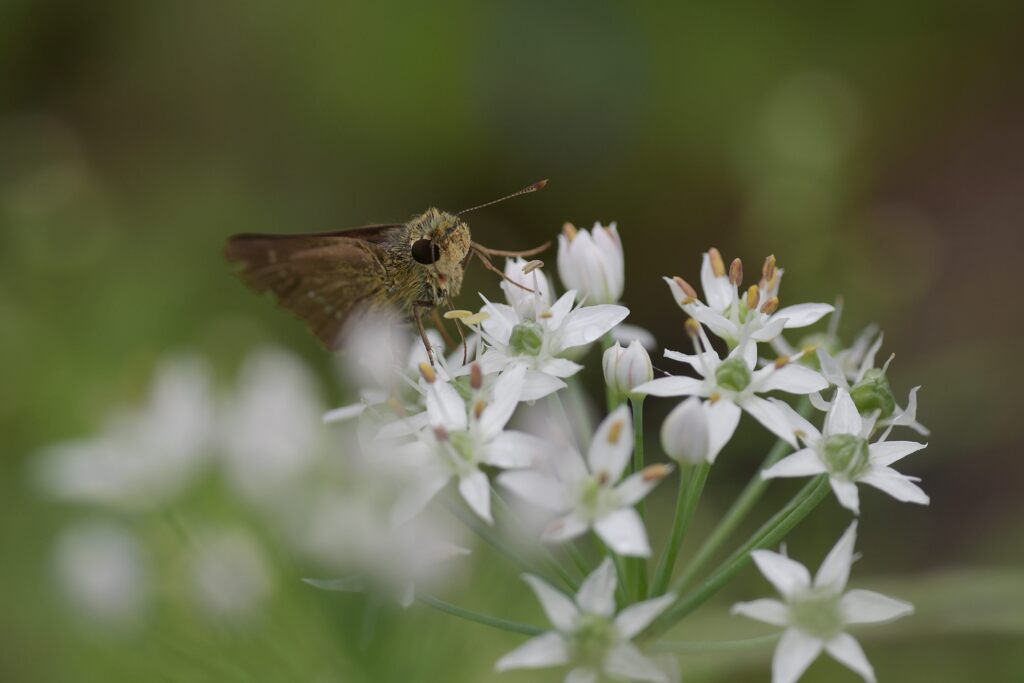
(577, 557)
(770, 533)
(713, 645)
(485, 619)
(639, 565)
(691, 485)
(739, 510)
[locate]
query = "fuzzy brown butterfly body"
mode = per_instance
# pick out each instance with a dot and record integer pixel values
(328, 278)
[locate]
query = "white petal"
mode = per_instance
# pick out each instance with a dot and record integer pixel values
(504, 399)
(626, 333)
(769, 331)
(717, 289)
(635, 618)
(559, 607)
(549, 649)
(788, 576)
(590, 323)
(802, 315)
(888, 452)
(537, 488)
(846, 494)
(835, 569)
(803, 463)
(720, 326)
(624, 532)
(612, 444)
(446, 407)
(626, 661)
(803, 429)
(723, 416)
(500, 321)
(767, 610)
(597, 594)
(476, 491)
(773, 419)
(633, 489)
(845, 649)
(564, 528)
(581, 675)
(344, 413)
(538, 385)
(560, 367)
(897, 485)
(559, 310)
(794, 653)
(516, 449)
(414, 498)
(843, 417)
(793, 378)
(869, 607)
(671, 386)
(685, 433)
(697, 362)
(830, 369)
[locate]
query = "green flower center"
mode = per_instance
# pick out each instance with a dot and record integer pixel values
(526, 339)
(733, 374)
(463, 445)
(592, 638)
(846, 454)
(817, 615)
(815, 341)
(595, 496)
(873, 394)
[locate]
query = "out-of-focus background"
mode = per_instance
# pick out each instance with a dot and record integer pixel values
(877, 150)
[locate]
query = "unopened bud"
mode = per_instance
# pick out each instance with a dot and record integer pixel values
(736, 271)
(770, 306)
(476, 376)
(427, 372)
(717, 264)
(684, 433)
(626, 369)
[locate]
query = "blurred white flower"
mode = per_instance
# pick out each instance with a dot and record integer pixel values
(624, 333)
(231, 578)
(733, 315)
(271, 431)
(101, 569)
(625, 369)
(143, 457)
(733, 384)
(539, 340)
(842, 451)
(816, 613)
(463, 435)
(591, 262)
(588, 494)
(685, 433)
(588, 634)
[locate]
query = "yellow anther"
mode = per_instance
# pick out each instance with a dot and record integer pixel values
(457, 314)
(714, 398)
(569, 230)
(687, 288)
(753, 297)
(768, 269)
(809, 349)
(427, 373)
(692, 327)
(717, 264)
(736, 271)
(781, 362)
(478, 409)
(476, 318)
(546, 315)
(615, 432)
(770, 306)
(476, 376)
(655, 472)
(532, 266)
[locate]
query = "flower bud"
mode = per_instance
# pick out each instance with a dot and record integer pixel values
(529, 275)
(684, 434)
(625, 369)
(873, 393)
(591, 262)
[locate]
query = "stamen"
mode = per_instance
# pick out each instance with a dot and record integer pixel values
(781, 362)
(654, 472)
(440, 433)
(688, 290)
(770, 306)
(476, 376)
(427, 372)
(714, 398)
(615, 432)
(457, 314)
(546, 315)
(736, 271)
(532, 266)
(692, 327)
(753, 297)
(603, 477)
(717, 264)
(478, 409)
(396, 406)
(476, 318)
(768, 269)
(569, 230)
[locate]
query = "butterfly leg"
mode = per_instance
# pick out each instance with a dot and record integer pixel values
(439, 324)
(417, 314)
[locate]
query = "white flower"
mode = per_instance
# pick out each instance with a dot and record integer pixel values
(588, 634)
(592, 263)
(816, 614)
(733, 315)
(625, 369)
(732, 385)
(230, 574)
(463, 435)
(842, 451)
(685, 433)
(540, 339)
(519, 298)
(589, 495)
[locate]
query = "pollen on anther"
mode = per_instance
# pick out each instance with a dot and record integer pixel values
(476, 376)
(603, 477)
(687, 288)
(546, 315)
(440, 433)
(615, 432)
(770, 306)
(532, 266)
(654, 472)
(427, 372)
(781, 362)
(692, 327)
(569, 230)
(714, 398)
(717, 264)
(457, 314)
(478, 409)
(476, 318)
(753, 297)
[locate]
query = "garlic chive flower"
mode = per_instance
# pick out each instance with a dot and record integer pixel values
(591, 262)
(732, 385)
(816, 613)
(588, 635)
(842, 451)
(733, 313)
(588, 494)
(625, 369)
(518, 297)
(463, 435)
(540, 338)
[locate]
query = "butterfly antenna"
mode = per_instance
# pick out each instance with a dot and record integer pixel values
(526, 190)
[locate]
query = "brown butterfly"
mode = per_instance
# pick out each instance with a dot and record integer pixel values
(326, 279)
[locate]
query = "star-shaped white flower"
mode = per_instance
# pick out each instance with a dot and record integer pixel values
(461, 436)
(733, 385)
(588, 634)
(842, 451)
(816, 613)
(540, 338)
(732, 314)
(589, 495)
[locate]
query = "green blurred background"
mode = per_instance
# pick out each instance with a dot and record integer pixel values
(877, 150)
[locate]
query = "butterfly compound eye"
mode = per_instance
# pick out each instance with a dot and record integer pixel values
(425, 252)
